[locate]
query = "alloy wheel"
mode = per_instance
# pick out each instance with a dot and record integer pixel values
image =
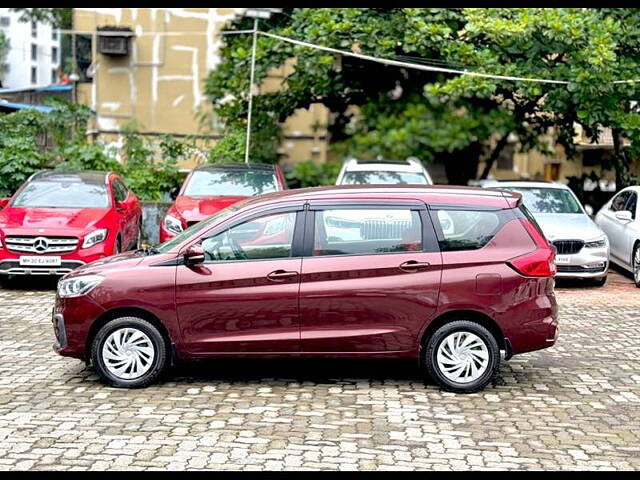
(462, 357)
(636, 265)
(128, 353)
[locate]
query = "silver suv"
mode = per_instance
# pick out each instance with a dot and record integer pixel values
(383, 172)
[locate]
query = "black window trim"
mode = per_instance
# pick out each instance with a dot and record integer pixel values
(296, 242)
(627, 204)
(430, 242)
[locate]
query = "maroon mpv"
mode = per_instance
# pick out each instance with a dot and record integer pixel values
(447, 275)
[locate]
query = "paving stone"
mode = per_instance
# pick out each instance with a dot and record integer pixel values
(571, 407)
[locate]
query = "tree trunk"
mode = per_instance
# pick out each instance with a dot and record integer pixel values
(494, 155)
(462, 165)
(620, 160)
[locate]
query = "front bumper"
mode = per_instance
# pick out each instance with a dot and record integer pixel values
(72, 319)
(587, 263)
(10, 261)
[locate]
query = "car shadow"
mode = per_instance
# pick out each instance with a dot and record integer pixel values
(31, 283)
(315, 370)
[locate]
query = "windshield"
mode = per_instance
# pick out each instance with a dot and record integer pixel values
(230, 184)
(52, 194)
(196, 227)
(547, 200)
(380, 177)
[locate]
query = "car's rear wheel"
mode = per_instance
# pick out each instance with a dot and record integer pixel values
(636, 265)
(129, 352)
(461, 356)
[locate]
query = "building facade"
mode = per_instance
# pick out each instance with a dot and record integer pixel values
(34, 52)
(158, 85)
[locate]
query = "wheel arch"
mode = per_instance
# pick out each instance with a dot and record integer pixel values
(472, 315)
(120, 312)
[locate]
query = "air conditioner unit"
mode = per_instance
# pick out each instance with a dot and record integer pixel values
(114, 40)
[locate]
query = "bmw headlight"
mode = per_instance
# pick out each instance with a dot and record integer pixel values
(598, 243)
(95, 237)
(78, 286)
(172, 224)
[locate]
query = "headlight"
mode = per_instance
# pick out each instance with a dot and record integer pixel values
(95, 237)
(78, 286)
(599, 243)
(172, 224)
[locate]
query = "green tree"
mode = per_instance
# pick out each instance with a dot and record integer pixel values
(433, 115)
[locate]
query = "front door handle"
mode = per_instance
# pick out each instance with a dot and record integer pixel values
(413, 266)
(281, 275)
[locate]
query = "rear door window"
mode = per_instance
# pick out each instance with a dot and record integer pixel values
(366, 231)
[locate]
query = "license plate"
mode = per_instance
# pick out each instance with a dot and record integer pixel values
(563, 259)
(33, 261)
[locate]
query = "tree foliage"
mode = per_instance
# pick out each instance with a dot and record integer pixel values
(22, 151)
(456, 118)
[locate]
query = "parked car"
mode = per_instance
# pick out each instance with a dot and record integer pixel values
(211, 188)
(619, 220)
(58, 221)
(582, 248)
(266, 277)
(388, 172)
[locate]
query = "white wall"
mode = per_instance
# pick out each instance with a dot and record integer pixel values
(19, 57)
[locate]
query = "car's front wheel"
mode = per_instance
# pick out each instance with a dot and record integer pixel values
(600, 282)
(129, 352)
(461, 356)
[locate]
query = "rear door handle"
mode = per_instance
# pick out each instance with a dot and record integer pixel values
(413, 266)
(281, 275)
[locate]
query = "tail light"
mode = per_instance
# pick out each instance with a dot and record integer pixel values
(540, 262)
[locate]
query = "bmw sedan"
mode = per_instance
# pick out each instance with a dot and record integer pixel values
(582, 248)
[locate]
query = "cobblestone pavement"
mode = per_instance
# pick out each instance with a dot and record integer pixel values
(574, 406)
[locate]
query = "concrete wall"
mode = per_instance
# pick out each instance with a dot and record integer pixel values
(160, 84)
(152, 215)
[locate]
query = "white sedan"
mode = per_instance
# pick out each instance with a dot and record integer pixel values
(619, 218)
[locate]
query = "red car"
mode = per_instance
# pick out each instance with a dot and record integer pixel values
(58, 221)
(449, 276)
(211, 188)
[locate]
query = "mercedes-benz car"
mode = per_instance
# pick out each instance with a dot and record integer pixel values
(213, 187)
(58, 221)
(582, 248)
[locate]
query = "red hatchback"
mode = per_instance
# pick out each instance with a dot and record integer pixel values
(58, 221)
(449, 276)
(210, 188)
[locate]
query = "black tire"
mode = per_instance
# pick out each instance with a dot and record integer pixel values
(157, 365)
(4, 281)
(118, 249)
(635, 266)
(599, 282)
(430, 351)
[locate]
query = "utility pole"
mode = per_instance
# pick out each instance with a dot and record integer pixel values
(253, 72)
(255, 13)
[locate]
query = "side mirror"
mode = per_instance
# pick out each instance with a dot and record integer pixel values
(4, 202)
(624, 216)
(588, 209)
(194, 255)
